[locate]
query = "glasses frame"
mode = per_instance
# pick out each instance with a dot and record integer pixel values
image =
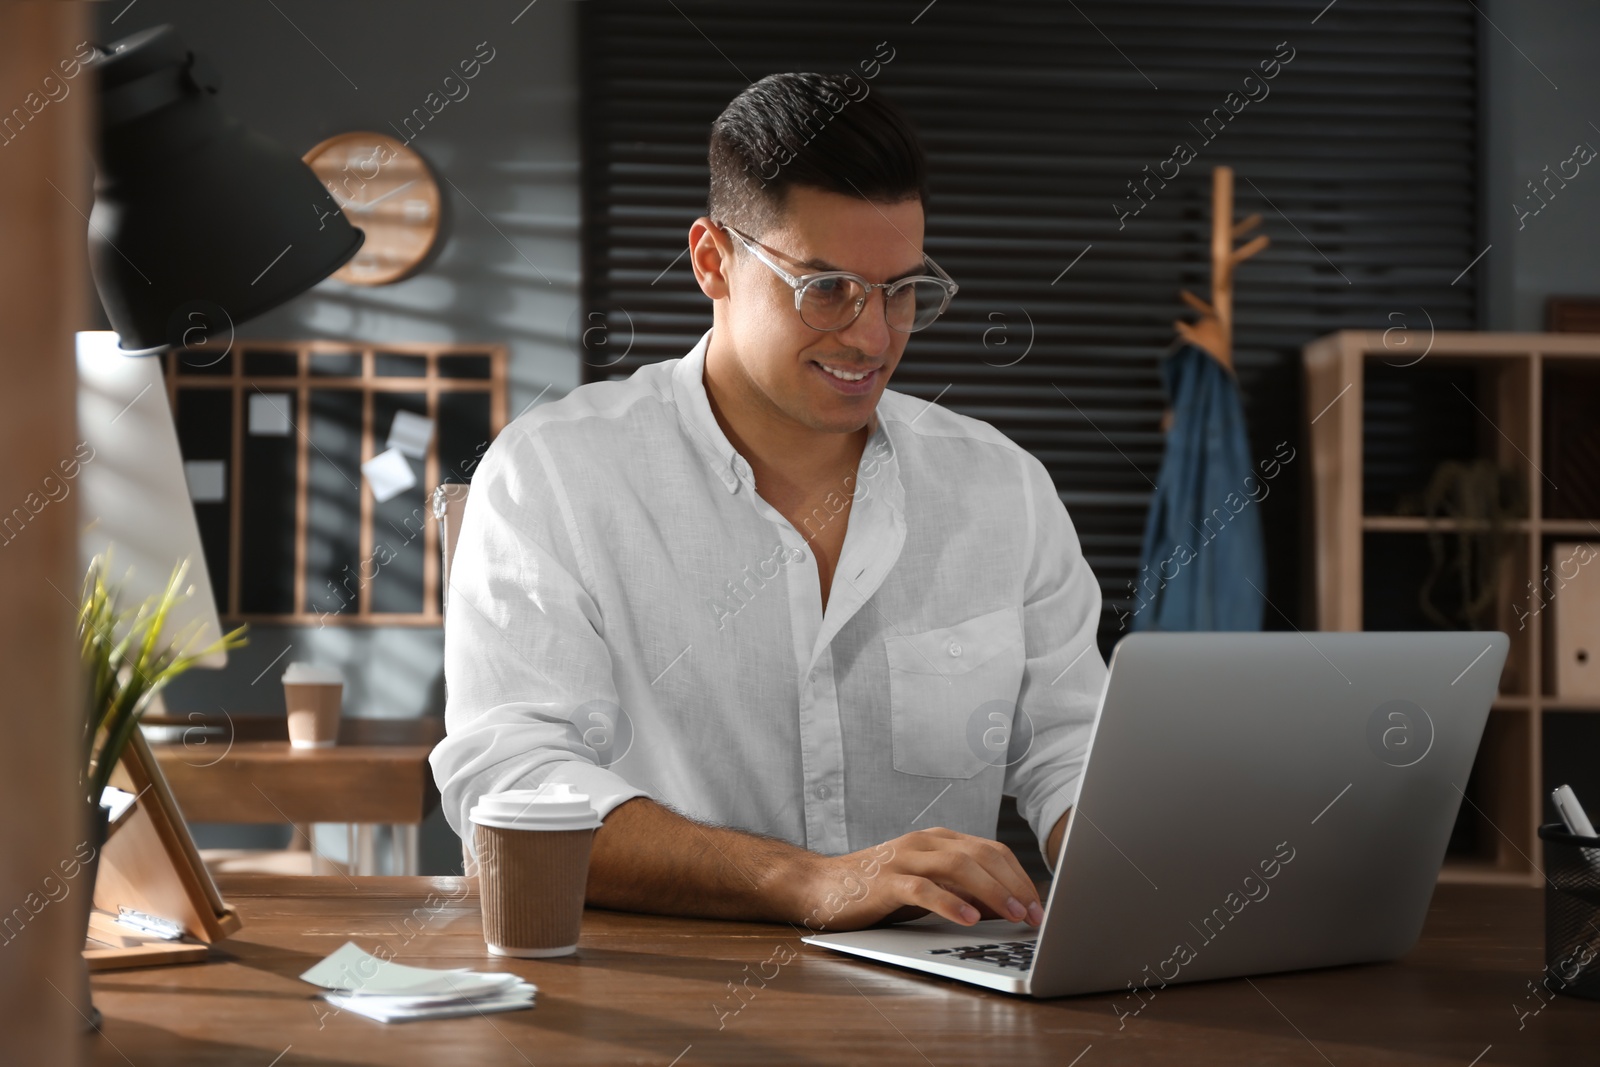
(801, 282)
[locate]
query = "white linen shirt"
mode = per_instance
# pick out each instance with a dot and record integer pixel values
(626, 614)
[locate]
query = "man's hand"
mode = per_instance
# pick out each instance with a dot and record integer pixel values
(957, 876)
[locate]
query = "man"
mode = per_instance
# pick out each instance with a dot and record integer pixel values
(794, 634)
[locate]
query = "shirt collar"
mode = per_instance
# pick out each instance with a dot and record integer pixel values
(694, 411)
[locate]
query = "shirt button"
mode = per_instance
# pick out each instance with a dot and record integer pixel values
(823, 792)
(955, 649)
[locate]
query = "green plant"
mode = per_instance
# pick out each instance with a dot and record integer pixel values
(126, 663)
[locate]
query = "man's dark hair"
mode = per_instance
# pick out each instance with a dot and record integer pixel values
(825, 131)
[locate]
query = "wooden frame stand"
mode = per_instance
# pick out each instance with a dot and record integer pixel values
(150, 864)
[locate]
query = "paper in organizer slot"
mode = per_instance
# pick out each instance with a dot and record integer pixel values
(357, 981)
(410, 433)
(207, 480)
(388, 474)
(269, 414)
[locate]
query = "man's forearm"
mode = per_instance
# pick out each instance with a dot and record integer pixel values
(1053, 842)
(649, 858)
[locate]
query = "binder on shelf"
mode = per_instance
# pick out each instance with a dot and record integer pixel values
(1572, 584)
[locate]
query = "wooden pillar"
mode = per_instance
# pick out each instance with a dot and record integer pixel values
(45, 126)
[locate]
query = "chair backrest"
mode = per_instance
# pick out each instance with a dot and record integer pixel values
(449, 504)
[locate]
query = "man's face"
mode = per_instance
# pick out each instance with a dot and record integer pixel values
(781, 360)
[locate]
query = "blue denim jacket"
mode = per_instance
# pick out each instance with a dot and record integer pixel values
(1202, 537)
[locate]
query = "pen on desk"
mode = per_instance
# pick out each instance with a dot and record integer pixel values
(1576, 821)
(1572, 813)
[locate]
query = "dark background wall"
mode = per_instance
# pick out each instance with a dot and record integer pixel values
(1071, 157)
(1541, 96)
(509, 266)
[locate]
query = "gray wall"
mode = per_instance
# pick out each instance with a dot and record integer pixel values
(1541, 96)
(507, 269)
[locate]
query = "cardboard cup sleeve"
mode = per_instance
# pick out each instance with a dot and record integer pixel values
(313, 712)
(532, 885)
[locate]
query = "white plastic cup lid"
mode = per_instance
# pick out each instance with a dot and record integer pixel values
(552, 806)
(311, 674)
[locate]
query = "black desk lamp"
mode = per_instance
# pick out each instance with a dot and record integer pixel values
(198, 222)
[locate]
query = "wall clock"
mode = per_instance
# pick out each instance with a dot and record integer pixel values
(386, 189)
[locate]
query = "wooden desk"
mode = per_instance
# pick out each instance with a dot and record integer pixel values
(243, 770)
(645, 990)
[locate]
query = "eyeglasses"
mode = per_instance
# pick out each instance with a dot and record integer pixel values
(833, 299)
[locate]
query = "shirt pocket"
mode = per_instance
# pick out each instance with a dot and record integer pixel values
(938, 681)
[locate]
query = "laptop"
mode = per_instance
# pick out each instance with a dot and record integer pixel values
(1251, 802)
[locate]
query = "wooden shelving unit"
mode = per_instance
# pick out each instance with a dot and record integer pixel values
(1510, 373)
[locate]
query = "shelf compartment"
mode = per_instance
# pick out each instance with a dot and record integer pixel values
(1571, 439)
(1416, 417)
(1391, 581)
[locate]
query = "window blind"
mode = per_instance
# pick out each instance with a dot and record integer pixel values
(1062, 204)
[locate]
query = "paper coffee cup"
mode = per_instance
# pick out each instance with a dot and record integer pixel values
(313, 696)
(533, 866)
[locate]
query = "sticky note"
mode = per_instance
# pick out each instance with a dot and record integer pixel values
(352, 969)
(410, 433)
(208, 480)
(270, 414)
(388, 474)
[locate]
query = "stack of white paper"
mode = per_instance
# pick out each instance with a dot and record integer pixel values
(391, 992)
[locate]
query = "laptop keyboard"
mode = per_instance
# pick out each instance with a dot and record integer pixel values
(1017, 955)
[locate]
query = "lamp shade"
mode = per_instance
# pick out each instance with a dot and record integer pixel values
(199, 223)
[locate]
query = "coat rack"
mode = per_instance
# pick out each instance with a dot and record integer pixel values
(1214, 331)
